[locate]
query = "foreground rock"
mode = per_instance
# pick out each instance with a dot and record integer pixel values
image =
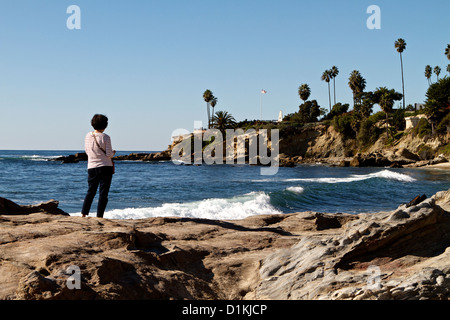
(402, 254)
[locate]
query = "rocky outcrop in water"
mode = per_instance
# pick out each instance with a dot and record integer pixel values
(318, 143)
(403, 254)
(8, 207)
(73, 158)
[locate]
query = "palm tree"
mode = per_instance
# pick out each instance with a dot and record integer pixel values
(213, 103)
(385, 98)
(334, 73)
(447, 51)
(428, 74)
(222, 120)
(437, 71)
(357, 84)
(326, 76)
(304, 92)
(448, 69)
(400, 45)
(208, 96)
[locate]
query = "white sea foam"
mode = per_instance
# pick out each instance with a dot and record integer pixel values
(297, 189)
(385, 174)
(36, 157)
(239, 207)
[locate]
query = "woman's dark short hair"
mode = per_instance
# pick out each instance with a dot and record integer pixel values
(99, 122)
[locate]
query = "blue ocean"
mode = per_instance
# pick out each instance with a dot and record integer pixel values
(159, 189)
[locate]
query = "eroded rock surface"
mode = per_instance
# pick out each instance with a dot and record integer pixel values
(403, 254)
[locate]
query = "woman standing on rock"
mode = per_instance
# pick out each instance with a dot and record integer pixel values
(100, 165)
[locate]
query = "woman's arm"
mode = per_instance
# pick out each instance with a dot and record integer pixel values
(108, 147)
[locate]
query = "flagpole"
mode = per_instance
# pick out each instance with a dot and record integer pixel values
(260, 106)
(260, 102)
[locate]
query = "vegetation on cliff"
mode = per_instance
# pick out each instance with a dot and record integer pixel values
(359, 128)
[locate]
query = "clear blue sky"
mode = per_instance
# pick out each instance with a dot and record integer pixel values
(146, 63)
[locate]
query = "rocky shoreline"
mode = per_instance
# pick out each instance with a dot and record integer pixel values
(323, 145)
(403, 254)
(400, 159)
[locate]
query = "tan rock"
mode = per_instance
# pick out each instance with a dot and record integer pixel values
(408, 248)
(404, 254)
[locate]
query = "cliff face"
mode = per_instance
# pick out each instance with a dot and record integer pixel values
(323, 144)
(319, 143)
(404, 254)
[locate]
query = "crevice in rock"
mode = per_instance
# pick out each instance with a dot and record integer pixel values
(426, 242)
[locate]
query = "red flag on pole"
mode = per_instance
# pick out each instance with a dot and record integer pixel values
(263, 91)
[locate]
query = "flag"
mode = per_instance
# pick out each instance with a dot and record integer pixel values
(263, 91)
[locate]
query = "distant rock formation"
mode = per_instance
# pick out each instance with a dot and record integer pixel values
(7, 207)
(73, 158)
(403, 254)
(323, 144)
(157, 156)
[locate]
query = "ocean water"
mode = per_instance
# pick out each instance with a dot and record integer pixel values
(159, 189)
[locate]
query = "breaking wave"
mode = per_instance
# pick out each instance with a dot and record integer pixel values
(385, 174)
(239, 207)
(297, 190)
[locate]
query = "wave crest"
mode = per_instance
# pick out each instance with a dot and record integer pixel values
(297, 190)
(385, 174)
(239, 207)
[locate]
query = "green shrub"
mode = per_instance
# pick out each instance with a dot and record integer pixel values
(377, 117)
(425, 152)
(368, 132)
(442, 126)
(337, 110)
(398, 119)
(445, 150)
(438, 98)
(423, 128)
(343, 124)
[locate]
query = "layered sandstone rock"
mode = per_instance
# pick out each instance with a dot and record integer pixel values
(403, 254)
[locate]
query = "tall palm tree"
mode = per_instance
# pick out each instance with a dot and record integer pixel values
(428, 73)
(447, 51)
(400, 45)
(213, 103)
(385, 98)
(326, 76)
(304, 92)
(437, 71)
(208, 96)
(334, 73)
(222, 120)
(357, 84)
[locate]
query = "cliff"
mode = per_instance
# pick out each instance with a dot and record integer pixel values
(403, 254)
(319, 143)
(324, 144)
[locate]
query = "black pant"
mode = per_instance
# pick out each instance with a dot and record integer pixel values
(98, 176)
